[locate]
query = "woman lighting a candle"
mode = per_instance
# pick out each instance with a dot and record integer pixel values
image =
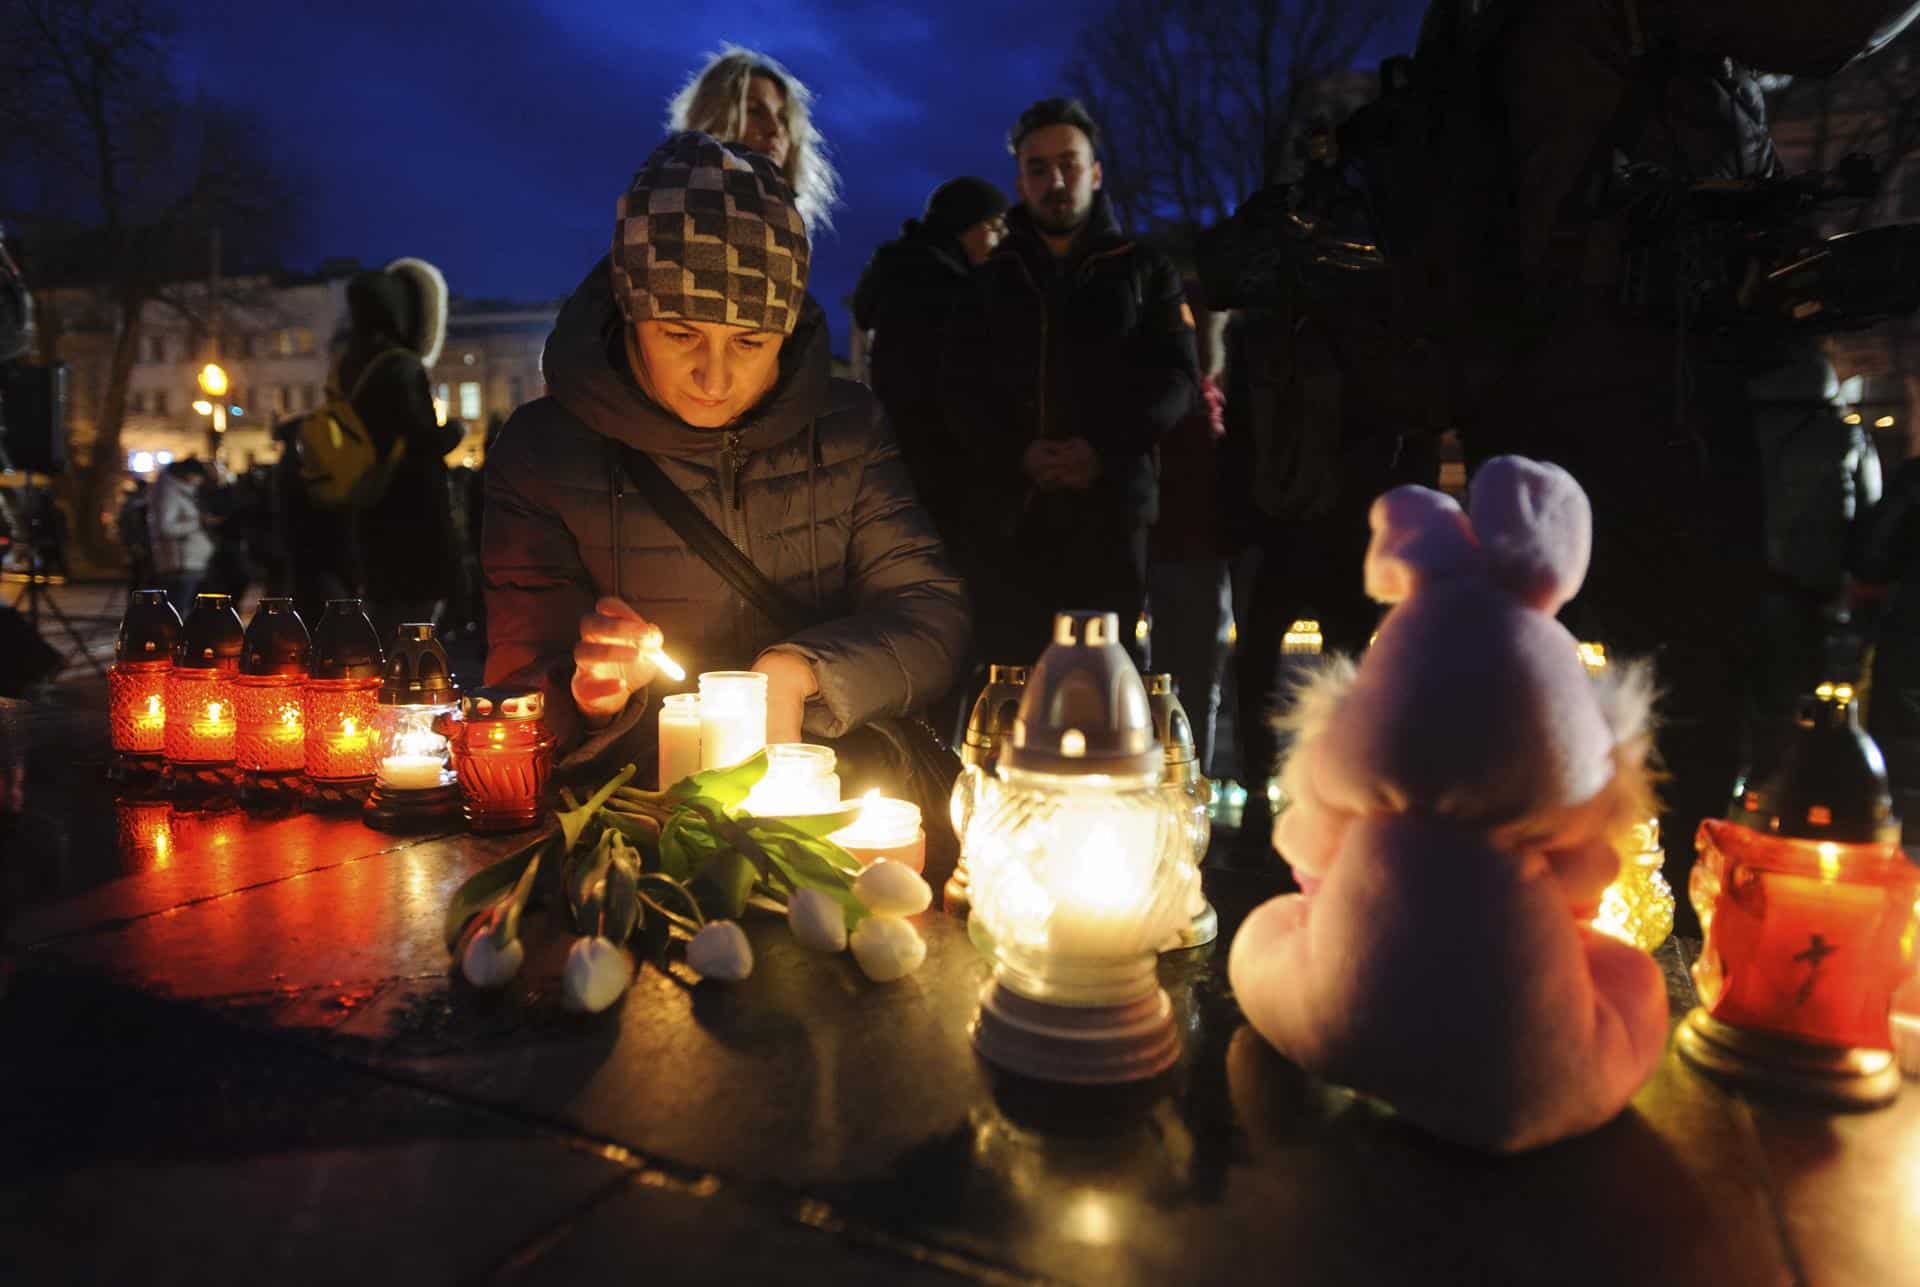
(695, 359)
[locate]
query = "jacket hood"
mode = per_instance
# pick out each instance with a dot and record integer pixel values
(917, 256)
(405, 304)
(586, 371)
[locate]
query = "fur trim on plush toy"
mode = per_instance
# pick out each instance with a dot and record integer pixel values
(1456, 804)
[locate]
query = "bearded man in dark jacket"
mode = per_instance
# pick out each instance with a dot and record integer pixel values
(1063, 369)
(904, 297)
(696, 346)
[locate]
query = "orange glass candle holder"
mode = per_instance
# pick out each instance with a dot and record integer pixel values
(270, 745)
(200, 708)
(502, 755)
(137, 686)
(338, 704)
(1811, 911)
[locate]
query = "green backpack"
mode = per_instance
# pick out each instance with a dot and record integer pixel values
(339, 464)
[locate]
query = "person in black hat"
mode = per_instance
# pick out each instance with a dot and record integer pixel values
(903, 299)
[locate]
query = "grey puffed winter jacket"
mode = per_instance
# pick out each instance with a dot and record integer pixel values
(810, 485)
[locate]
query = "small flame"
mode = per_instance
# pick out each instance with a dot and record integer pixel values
(153, 705)
(213, 712)
(290, 716)
(348, 726)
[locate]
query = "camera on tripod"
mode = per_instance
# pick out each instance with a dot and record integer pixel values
(1743, 256)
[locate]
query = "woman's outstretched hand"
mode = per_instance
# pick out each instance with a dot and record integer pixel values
(790, 681)
(612, 660)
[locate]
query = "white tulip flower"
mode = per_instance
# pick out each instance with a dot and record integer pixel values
(721, 951)
(887, 948)
(597, 973)
(889, 888)
(817, 921)
(488, 964)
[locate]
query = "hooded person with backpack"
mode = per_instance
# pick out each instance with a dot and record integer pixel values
(691, 391)
(405, 518)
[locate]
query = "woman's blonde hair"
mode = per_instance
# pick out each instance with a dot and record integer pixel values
(714, 101)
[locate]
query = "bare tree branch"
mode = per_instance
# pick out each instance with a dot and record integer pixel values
(1198, 98)
(118, 182)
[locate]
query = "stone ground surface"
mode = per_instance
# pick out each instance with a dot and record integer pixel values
(230, 1050)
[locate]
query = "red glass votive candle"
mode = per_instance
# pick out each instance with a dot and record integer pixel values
(503, 756)
(1811, 912)
(270, 745)
(137, 680)
(1806, 939)
(338, 701)
(199, 691)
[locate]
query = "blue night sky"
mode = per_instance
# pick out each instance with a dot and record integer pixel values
(494, 139)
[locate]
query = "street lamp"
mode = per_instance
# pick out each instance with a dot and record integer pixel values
(213, 383)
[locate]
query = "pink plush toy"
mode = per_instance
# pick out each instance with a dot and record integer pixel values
(1454, 804)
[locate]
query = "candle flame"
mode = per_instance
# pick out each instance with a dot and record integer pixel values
(348, 726)
(153, 705)
(667, 666)
(290, 716)
(213, 712)
(1829, 860)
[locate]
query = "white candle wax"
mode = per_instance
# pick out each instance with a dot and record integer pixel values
(410, 772)
(1100, 893)
(733, 716)
(885, 829)
(679, 737)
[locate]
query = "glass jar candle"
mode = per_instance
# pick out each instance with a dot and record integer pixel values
(989, 724)
(502, 756)
(733, 716)
(199, 693)
(1638, 906)
(1190, 793)
(137, 685)
(885, 828)
(1081, 871)
(270, 745)
(337, 706)
(679, 737)
(800, 778)
(412, 785)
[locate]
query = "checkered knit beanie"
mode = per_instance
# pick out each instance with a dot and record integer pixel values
(709, 232)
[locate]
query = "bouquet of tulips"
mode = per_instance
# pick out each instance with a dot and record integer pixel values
(635, 872)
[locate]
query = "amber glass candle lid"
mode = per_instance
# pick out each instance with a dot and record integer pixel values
(276, 642)
(1170, 722)
(211, 635)
(417, 673)
(503, 703)
(345, 644)
(1832, 782)
(151, 629)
